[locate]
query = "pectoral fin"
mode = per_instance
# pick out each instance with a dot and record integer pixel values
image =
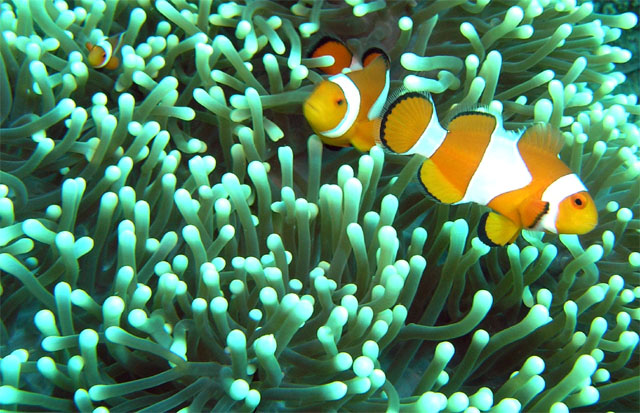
(113, 63)
(364, 135)
(497, 230)
(533, 212)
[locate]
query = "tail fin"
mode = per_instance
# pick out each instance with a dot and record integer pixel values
(329, 46)
(410, 125)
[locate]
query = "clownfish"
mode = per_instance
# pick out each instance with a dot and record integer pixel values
(517, 174)
(345, 108)
(342, 56)
(103, 54)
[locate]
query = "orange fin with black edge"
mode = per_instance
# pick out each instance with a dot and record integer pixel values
(113, 63)
(497, 230)
(437, 185)
(533, 211)
(372, 54)
(542, 137)
(330, 46)
(364, 135)
(473, 125)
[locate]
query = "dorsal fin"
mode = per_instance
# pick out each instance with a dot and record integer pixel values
(371, 54)
(373, 83)
(330, 46)
(374, 72)
(475, 121)
(116, 42)
(542, 137)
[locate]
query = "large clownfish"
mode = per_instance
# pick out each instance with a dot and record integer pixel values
(518, 175)
(345, 109)
(104, 53)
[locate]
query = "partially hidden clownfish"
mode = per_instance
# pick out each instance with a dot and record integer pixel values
(345, 108)
(104, 53)
(517, 174)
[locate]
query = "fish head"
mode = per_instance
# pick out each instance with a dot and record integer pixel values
(326, 107)
(577, 214)
(97, 55)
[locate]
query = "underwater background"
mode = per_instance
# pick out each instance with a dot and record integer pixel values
(174, 238)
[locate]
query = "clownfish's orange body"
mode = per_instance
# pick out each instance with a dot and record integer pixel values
(518, 175)
(345, 109)
(342, 56)
(103, 54)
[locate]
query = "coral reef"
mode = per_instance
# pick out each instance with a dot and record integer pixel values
(171, 237)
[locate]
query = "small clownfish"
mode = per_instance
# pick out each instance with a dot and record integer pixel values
(343, 58)
(103, 54)
(518, 175)
(345, 109)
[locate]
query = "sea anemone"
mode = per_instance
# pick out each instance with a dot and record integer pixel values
(173, 238)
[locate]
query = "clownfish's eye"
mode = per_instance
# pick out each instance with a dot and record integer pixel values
(578, 201)
(340, 102)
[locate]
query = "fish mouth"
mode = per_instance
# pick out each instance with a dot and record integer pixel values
(309, 105)
(308, 109)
